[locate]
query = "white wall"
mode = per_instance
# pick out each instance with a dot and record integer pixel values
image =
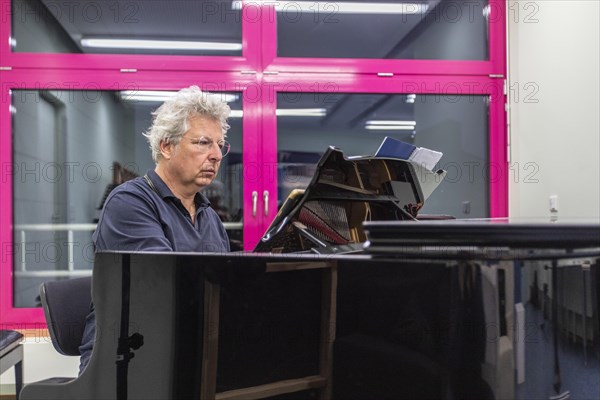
(554, 52)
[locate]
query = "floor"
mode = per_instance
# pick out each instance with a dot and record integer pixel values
(580, 379)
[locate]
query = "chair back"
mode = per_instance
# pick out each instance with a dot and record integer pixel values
(66, 305)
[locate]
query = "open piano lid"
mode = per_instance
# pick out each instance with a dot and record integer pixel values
(327, 216)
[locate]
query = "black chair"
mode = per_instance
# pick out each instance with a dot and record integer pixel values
(11, 355)
(66, 305)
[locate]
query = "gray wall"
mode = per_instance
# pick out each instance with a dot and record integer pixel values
(100, 131)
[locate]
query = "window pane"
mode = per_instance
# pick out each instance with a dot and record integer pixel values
(456, 125)
(430, 30)
(127, 26)
(70, 148)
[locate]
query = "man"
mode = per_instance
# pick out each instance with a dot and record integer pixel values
(164, 210)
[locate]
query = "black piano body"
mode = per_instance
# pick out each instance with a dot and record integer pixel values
(410, 322)
(270, 326)
(276, 322)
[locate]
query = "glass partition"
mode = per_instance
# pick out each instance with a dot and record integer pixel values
(428, 30)
(70, 149)
(456, 125)
(180, 27)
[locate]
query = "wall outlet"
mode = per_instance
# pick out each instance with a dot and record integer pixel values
(466, 207)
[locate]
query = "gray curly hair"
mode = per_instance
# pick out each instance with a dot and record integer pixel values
(170, 120)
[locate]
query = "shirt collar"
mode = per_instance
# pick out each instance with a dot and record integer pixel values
(163, 190)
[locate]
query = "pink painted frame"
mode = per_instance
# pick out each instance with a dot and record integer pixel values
(259, 74)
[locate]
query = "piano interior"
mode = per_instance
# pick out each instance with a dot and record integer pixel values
(327, 217)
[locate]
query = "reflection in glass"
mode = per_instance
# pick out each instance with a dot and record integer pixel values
(357, 123)
(127, 27)
(430, 30)
(70, 149)
(557, 320)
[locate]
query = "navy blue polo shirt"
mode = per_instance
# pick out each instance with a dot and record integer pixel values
(137, 217)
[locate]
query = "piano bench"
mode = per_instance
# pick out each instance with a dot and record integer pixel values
(11, 355)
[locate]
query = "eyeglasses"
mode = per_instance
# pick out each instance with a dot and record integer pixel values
(206, 144)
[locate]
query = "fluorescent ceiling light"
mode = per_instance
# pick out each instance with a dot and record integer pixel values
(340, 7)
(301, 112)
(390, 122)
(390, 127)
(158, 44)
(160, 96)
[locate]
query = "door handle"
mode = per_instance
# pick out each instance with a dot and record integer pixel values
(266, 201)
(254, 201)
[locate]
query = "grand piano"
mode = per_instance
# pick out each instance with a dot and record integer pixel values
(348, 296)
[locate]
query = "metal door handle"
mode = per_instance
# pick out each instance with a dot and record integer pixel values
(266, 201)
(254, 200)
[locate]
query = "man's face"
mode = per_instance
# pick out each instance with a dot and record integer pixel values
(195, 161)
